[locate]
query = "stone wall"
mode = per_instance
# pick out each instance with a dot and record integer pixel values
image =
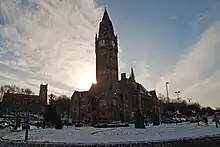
(200, 142)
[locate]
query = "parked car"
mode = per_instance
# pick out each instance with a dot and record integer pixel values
(25, 125)
(217, 115)
(78, 124)
(4, 124)
(168, 120)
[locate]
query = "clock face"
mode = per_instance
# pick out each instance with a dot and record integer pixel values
(113, 43)
(101, 42)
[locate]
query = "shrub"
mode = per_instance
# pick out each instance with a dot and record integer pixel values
(156, 121)
(58, 123)
(78, 125)
(18, 122)
(139, 120)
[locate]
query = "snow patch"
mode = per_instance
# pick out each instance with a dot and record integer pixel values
(115, 135)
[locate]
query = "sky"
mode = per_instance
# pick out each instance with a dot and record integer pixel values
(52, 41)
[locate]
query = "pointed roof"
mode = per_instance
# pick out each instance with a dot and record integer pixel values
(105, 16)
(153, 93)
(132, 74)
(106, 23)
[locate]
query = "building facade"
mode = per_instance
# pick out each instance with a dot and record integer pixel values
(16, 102)
(110, 98)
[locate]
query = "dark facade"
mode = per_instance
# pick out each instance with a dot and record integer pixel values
(13, 102)
(110, 98)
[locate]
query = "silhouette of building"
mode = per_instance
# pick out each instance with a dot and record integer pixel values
(16, 102)
(110, 98)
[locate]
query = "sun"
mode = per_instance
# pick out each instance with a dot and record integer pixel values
(85, 79)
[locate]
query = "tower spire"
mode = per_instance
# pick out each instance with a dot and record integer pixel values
(132, 77)
(105, 26)
(105, 16)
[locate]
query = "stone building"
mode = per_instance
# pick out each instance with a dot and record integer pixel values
(110, 98)
(15, 102)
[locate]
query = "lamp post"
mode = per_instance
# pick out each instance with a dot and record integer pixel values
(27, 119)
(189, 99)
(178, 95)
(26, 127)
(167, 91)
(116, 104)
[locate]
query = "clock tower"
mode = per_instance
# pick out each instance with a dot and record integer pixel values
(106, 49)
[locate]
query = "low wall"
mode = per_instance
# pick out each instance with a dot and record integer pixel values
(200, 142)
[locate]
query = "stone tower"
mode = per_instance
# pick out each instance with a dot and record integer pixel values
(43, 93)
(106, 49)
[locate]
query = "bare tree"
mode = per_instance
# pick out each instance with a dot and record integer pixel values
(14, 89)
(28, 91)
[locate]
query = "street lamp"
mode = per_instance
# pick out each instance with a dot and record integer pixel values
(27, 118)
(177, 94)
(189, 99)
(167, 91)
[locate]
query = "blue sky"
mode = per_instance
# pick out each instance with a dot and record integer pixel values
(53, 42)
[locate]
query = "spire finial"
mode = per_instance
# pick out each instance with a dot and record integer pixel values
(132, 74)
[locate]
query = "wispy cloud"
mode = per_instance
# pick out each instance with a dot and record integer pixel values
(203, 16)
(142, 69)
(173, 17)
(51, 88)
(196, 75)
(8, 76)
(53, 39)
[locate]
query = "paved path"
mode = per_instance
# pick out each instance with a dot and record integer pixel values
(3, 132)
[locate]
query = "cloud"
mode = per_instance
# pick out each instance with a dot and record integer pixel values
(52, 39)
(173, 17)
(144, 74)
(33, 84)
(8, 76)
(58, 91)
(20, 83)
(203, 16)
(197, 74)
(51, 88)
(142, 69)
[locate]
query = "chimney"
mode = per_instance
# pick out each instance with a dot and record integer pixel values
(123, 76)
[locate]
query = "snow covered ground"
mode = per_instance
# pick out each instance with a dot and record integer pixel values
(114, 135)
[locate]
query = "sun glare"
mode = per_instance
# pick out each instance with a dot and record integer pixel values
(85, 79)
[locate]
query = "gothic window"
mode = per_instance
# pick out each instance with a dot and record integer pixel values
(105, 33)
(106, 29)
(113, 44)
(106, 41)
(133, 102)
(102, 53)
(108, 65)
(100, 73)
(101, 43)
(113, 72)
(121, 97)
(126, 96)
